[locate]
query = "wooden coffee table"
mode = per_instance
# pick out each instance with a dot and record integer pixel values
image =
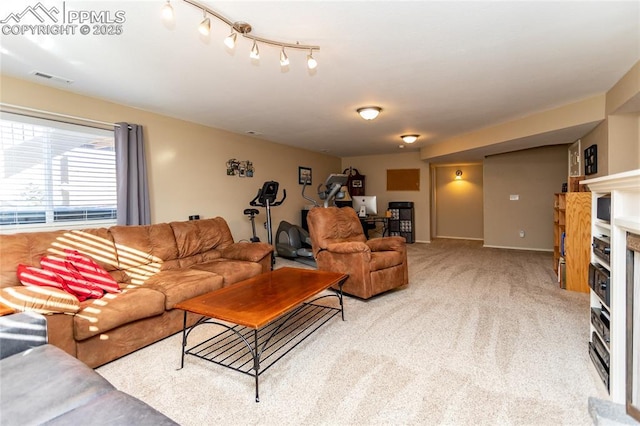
(262, 318)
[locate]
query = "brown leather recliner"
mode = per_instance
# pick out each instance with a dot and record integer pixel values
(338, 243)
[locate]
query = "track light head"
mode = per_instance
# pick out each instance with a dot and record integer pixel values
(255, 53)
(230, 41)
(311, 62)
(205, 25)
(284, 59)
(167, 12)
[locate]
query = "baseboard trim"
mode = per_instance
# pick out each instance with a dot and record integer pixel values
(460, 238)
(516, 248)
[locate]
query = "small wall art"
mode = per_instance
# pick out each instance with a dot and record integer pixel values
(591, 160)
(304, 175)
(239, 168)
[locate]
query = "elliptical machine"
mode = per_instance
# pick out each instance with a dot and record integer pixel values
(332, 189)
(293, 241)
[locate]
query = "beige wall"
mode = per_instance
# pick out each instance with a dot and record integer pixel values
(458, 203)
(534, 175)
(374, 167)
(186, 161)
(587, 111)
(624, 143)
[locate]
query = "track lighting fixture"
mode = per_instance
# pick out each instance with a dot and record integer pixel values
(255, 53)
(167, 11)
(205, 25)
(409, 138)
(369, 113)
(243, 29)
(284, 59)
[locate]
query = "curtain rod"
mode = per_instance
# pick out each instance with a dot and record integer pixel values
(55, 114)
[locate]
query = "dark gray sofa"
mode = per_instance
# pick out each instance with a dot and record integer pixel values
(41, 384)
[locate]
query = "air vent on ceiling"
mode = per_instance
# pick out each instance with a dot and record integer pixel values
(52, 77)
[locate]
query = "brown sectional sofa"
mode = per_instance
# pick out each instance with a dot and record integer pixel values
(156, 267)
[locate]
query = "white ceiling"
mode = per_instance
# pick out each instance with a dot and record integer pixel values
(436, 68)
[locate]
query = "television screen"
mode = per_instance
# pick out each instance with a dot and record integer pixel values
(368, 201)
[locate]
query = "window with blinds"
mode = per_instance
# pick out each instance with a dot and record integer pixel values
(55, 175)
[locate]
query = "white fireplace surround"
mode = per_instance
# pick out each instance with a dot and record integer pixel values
(625, 217)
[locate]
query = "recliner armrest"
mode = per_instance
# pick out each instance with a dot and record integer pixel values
(387, 243)
(21, 331)
(348, 247)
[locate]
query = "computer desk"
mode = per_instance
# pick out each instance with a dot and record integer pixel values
(374, 220)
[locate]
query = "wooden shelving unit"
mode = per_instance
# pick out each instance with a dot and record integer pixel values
(572, 217)
(559, 212)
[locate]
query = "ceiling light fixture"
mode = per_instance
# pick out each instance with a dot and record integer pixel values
(409, 138)
(205, 25)
(244, 29)
(284, 59)
(369, 113)
(167, 11)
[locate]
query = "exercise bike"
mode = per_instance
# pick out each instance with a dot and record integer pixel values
(252, 213)
(266, 197)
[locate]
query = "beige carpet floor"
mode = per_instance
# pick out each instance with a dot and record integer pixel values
(479, 337)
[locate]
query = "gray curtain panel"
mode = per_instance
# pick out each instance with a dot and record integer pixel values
(131, 174)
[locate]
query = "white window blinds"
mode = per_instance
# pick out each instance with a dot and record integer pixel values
(55, 175)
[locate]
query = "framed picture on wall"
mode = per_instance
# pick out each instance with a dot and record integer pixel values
(591, 160)
(304, 175)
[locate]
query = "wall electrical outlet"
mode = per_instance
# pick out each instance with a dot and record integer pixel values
(521, 233)
(514, 197)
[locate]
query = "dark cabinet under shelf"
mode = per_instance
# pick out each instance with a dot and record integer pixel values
(402, 220)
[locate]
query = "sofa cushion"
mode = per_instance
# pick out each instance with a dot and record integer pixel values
(43, 383)
(231, 270)
(198, 236)
(181, 284)
(92, 271)
(143, 244)
(26, 248)
(113, 310)
(44, 300)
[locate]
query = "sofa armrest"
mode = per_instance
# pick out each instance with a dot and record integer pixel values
(348, 247)
(21, 331)
(251, 252)
(386, 243)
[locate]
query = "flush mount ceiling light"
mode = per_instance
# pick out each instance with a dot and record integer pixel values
(369, 113)
(409, 138)
(244, 30)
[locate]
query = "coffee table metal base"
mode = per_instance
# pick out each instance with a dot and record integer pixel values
(253, 351)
